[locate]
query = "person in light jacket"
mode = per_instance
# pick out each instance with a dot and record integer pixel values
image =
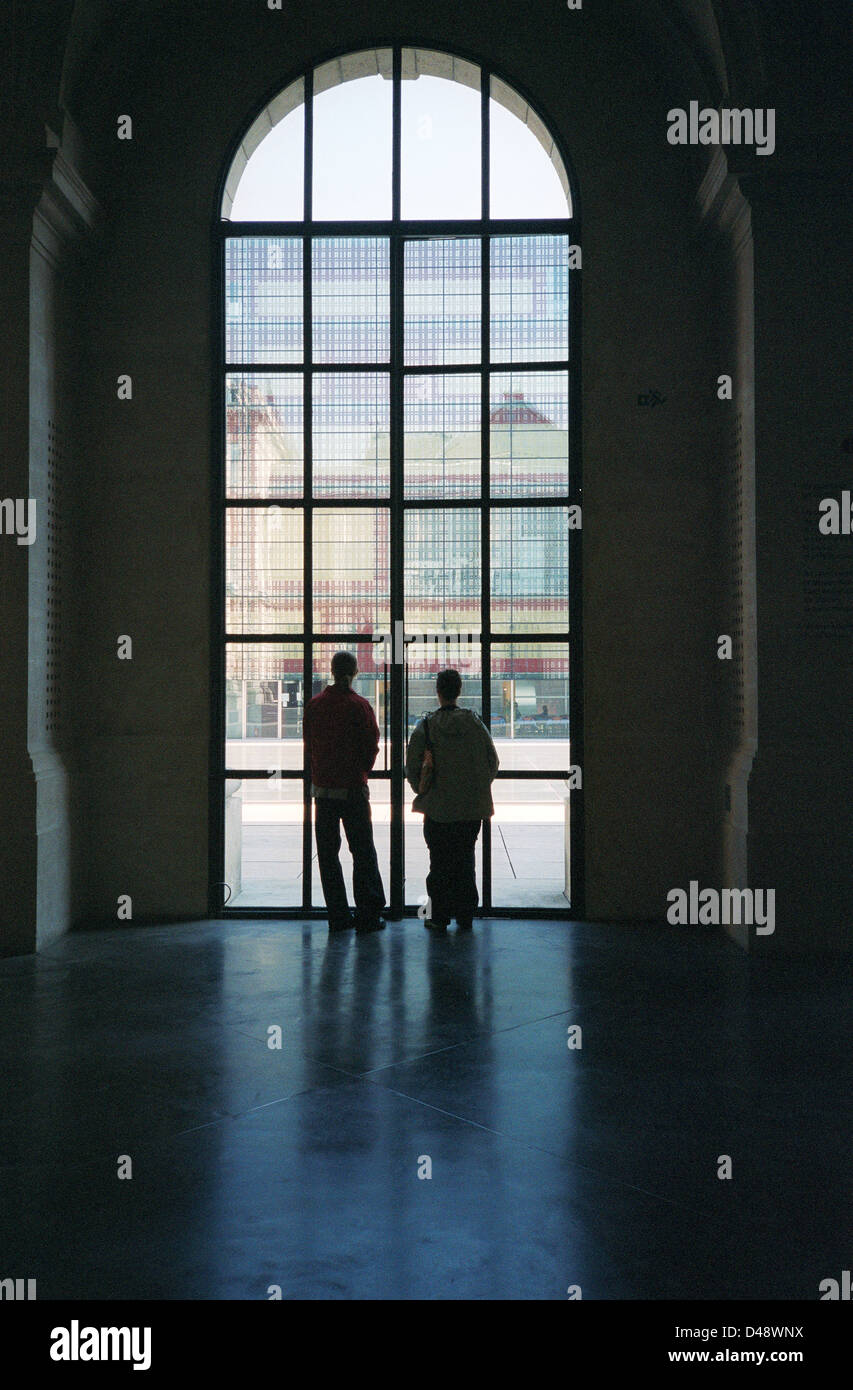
(465, 762)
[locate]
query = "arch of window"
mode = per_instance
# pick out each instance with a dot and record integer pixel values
(533, 143)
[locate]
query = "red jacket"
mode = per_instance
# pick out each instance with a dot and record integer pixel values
(342, 737)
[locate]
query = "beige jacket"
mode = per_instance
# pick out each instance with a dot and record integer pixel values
(465, 760)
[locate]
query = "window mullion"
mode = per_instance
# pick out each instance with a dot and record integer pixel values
(485, 464)
(396, 517)
(308, 473)
(396, 132)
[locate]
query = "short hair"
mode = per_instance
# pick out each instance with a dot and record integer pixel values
(344, 664)
(448, 684)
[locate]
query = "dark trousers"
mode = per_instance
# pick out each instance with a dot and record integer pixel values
(366, 878)
(451, 881)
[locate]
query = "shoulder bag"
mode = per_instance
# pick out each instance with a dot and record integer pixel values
(428, 764)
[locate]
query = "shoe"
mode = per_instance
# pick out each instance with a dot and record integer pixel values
(465, 923)
(346, 925)
(432, 924)
(373, 924)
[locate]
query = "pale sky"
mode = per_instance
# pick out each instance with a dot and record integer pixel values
(440, 144)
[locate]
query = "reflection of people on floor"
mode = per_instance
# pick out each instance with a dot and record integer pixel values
(342, 744)
(464, 763)
(342, 1024)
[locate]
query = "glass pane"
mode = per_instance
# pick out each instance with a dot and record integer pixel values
(263, 843)
(440, 141)
(351, 570)
(530, 569)
(352, 143)
(442, 570)
(523, 178)
(529, 419)
(530, 299)
(530, 834)
(263, 299)
(351, 302)
(264, 701)
(442, 436)
(442, 302)
(372, 682)
(263, 569)
(424, 660)
(263, 426)
(351, 435)
(530, 705)
(272, 185)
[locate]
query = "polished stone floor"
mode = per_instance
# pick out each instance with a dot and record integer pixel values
(299, 1166)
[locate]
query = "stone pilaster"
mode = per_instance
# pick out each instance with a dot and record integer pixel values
(800, 793)
(725, 222)
(46, 213)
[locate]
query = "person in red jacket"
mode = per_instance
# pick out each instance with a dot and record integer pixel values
(342, 741)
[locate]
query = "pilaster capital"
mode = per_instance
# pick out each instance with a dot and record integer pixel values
(67, 212)
(720, 205)
(43, 198)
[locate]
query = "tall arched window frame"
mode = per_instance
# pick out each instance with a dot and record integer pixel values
(451, 345)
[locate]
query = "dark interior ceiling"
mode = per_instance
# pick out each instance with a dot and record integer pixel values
(72, 55)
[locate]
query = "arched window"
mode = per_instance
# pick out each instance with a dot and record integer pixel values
(400, 470)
